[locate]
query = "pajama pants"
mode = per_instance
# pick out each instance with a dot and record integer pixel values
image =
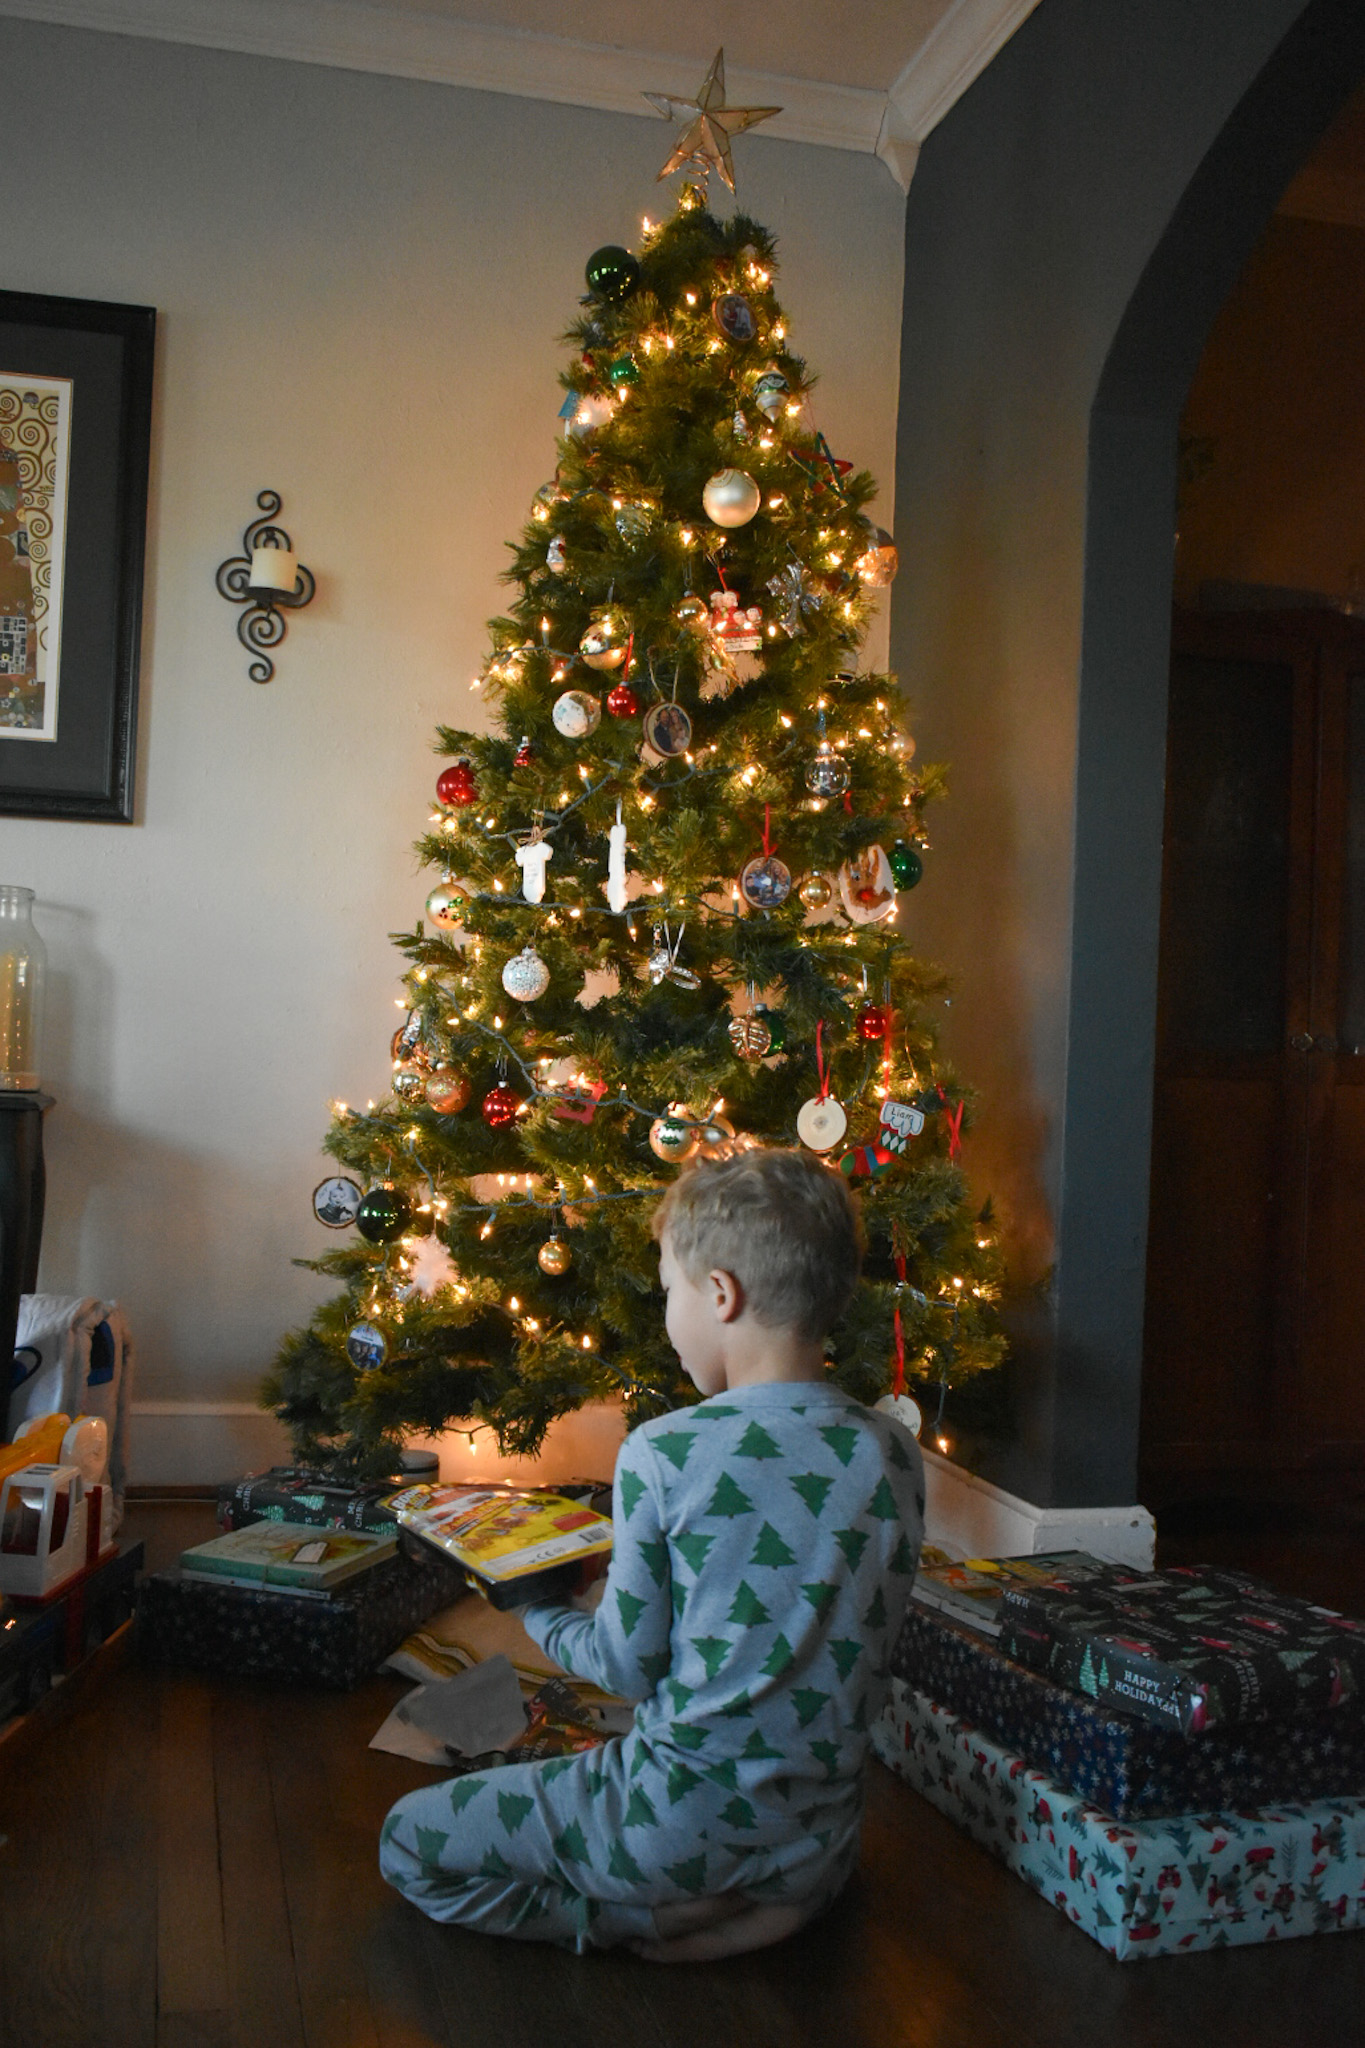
(557, 1852)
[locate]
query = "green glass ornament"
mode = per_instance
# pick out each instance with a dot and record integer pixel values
(625, 370)
(612, 273)
(384, 1214)
(906, 866)
(777, 1026)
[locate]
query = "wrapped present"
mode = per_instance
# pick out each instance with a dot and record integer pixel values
(301, 1639)
(1147, 1888)
(1118, 1761)
(289, 1493)
(1187, 1649)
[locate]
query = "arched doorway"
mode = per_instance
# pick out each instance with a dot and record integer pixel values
(1254, 1365)
(1100, 1278)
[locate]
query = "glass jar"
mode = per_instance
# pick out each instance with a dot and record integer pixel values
(23, 970)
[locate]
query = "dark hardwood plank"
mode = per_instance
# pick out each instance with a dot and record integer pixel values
(123, 1924)
(330, 1882)
(49, 1901)
(262, 1991)
(191, 1960)
(361, 1785)
(193, 2030)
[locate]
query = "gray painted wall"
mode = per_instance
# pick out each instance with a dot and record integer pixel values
(1099, 169)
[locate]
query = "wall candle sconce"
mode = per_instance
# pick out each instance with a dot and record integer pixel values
(265, 576)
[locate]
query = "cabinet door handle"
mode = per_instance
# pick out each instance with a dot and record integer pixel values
(1302, 1041)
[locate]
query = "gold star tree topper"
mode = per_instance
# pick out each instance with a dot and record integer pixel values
(704, 144)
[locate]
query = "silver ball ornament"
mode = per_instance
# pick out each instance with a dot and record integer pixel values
(827, 774)
(526, 976)
(731, 497)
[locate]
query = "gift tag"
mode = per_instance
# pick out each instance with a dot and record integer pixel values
(903, 1409)
(821, 1123)
(900, 1123)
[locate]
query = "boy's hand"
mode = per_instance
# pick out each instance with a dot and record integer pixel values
(590, 1599)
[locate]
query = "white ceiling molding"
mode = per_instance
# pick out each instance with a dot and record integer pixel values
(954, 53)
(404, 43)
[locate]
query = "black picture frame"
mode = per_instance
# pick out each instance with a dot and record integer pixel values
(107, 350)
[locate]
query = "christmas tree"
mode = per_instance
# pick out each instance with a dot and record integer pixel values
(664, 913)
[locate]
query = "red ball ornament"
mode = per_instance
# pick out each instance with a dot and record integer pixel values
(500, 1105)
(622, 702)
(871, 1022)
(456, 785)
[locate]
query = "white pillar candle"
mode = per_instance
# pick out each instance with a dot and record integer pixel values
(274, 569)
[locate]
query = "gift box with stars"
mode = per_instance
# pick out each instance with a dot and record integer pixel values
(1120, 1762)
(1145, 1888)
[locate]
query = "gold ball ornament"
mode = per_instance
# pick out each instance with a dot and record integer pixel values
(816, 891)
(673, 1139)
(447, 1091)
(447, 904)
(554, 1256)
(731, 497)
(750, 1036)
(408, 1081)
(603, 646)
(693, 613)
(715, 1138)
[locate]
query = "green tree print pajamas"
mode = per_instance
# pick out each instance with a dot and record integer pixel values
(765, 1546)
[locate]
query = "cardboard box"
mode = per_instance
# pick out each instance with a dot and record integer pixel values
(1148, 1888)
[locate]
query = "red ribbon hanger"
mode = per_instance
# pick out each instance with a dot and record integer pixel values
(820, 1062)
(898, 1384)
(953, 1119)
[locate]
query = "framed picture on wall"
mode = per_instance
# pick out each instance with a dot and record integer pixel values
(75, 440)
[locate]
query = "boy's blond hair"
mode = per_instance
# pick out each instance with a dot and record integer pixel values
(781, 1222)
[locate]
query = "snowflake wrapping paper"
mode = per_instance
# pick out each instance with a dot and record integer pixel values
(1156, 1887)
(1117, 1762)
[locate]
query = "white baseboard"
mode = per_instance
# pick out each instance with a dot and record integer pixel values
(191, 1443)
(982, 1520)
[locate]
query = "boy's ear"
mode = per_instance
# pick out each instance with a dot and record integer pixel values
(727, 1295)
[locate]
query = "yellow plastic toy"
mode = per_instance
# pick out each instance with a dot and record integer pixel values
(39, 1442)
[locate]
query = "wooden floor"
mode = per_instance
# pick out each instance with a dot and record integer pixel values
(191, 1864)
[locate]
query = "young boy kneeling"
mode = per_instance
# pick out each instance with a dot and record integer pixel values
(765, 1545)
